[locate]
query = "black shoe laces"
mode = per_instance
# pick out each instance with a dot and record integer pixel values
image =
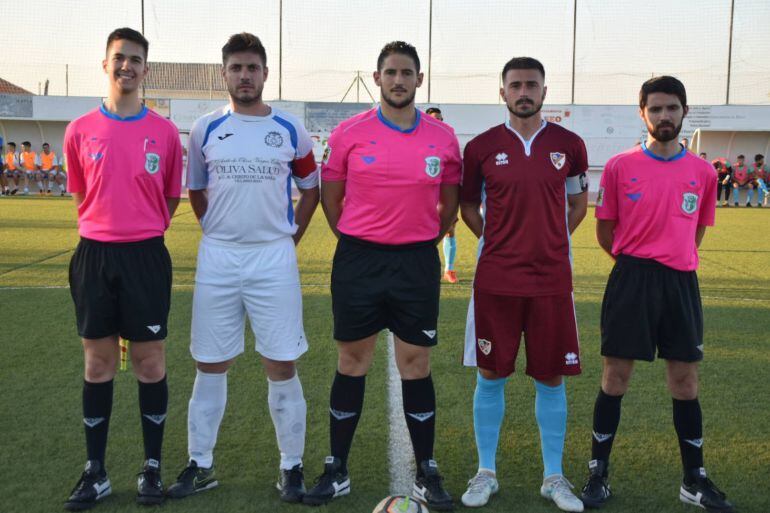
(87, 479)
(294, 477)
(326, 478)
(709, 485)
(151, 477)
(188, 473)
(433, 481)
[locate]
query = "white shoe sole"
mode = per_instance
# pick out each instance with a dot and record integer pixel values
(577, 507)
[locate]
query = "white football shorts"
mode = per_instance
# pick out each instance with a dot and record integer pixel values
(258, 280)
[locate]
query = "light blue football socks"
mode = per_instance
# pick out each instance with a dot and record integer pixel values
(488, 412)
(450, 253)
(551, 415)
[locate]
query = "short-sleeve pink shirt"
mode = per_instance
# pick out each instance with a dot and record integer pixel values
(126, 167)
(657, 204)
(393, 176)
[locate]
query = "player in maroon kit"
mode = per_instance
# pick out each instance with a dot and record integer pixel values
(530, 175)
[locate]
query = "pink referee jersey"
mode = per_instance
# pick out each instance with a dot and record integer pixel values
(657, 204)
(392, 176)
(126, 167)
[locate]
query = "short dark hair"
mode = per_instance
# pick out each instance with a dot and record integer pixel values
(432, 110)
(523, 63)
(398, 47)
(758, 157)
(663, 84)
(740, 157)
(12, 144)
(26, 143)
(128, 34)
(45, 144)
(244, 42)
(703, 153)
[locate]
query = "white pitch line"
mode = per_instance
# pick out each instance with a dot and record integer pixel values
(400, 458)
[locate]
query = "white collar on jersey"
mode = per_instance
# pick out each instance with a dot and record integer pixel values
(527, 143)
(249, 117)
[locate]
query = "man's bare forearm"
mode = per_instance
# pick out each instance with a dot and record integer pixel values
(172, 204)
(332, 200)
(199, 201)
(303, 212)
(576, 211)
(471, 215)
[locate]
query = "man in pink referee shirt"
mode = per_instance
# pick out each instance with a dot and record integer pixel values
(125, 171)
(389, 191)
(655, 202)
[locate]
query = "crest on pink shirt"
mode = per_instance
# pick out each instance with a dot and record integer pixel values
(152, 163)
(689, 202)
(432, 166)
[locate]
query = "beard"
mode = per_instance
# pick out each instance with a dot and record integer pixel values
(398, 104)
(519, 113)
(666, 132)
(245, 98)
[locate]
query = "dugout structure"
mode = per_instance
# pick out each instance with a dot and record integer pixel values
(731, 143)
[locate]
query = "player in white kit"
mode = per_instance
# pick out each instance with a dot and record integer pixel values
(242, 159)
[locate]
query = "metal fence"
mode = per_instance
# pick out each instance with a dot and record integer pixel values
(594, 51)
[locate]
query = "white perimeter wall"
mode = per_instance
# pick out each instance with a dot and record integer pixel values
(607, 129)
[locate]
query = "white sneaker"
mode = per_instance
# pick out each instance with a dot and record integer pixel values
(480, 488)
(559, 490)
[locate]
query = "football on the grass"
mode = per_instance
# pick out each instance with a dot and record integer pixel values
(400, 504)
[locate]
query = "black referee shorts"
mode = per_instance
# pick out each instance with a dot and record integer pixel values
(121, 288)
(648, 305)
(377, 286)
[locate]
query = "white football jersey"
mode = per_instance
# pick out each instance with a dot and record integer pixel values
(246, 165)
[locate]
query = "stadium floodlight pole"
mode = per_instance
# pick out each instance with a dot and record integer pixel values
(280, 49)
(730, 52)
(574, 46)
(144, 95)
(430, 43)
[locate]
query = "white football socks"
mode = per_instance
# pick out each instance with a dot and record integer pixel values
(288, 410)
(207, 407)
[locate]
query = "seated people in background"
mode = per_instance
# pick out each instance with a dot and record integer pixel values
(724, 178)
(742, 179)
(761, 175)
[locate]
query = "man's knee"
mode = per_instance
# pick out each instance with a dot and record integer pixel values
(351, 362)
(616, 377)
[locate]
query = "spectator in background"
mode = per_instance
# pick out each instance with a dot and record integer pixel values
(761, 176)
(703, 155)
(685, 143)
(48, 165)
(11, 168)
(724, 179)
(28, 160)
(742, 179)
(450, 241)
(3, 179)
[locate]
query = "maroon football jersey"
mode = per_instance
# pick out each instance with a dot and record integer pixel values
(523, 188)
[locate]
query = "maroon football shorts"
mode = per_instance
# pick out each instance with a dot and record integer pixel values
(550, 334)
